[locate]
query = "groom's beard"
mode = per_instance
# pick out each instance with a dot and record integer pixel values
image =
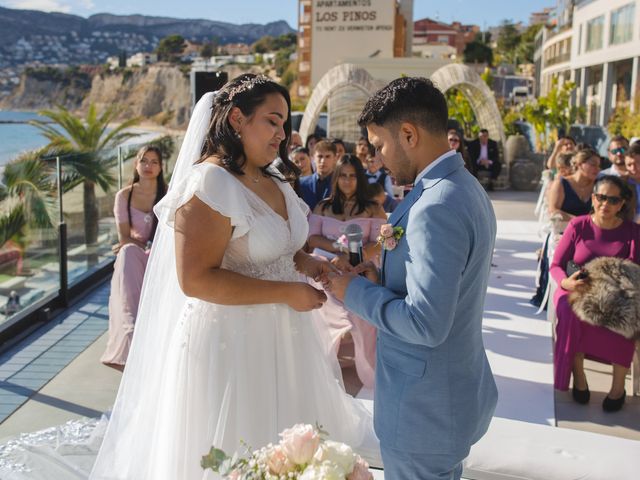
(403, 171)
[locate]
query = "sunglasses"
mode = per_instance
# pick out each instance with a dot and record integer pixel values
(611, 199)
(618, 151)
(454, 140)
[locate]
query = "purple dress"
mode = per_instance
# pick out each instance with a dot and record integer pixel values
(126, 283)
(334, 316)
(581, 242)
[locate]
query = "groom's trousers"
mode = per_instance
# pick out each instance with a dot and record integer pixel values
(399, 465)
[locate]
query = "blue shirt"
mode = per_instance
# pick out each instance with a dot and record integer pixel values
(313, 189)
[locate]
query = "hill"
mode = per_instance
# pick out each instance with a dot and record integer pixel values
(28, 36)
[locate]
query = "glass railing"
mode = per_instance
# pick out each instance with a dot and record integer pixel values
(58, 225)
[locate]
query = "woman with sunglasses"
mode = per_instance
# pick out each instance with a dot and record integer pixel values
(348, 204)
(571, 195)
(606, 232)
(456, 143)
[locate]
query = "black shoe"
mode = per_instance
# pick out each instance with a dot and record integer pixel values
(613, 405)
(581, 396)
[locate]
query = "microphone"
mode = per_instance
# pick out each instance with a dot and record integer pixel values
(354, 235)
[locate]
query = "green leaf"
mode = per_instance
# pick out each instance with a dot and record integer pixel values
(214, 459)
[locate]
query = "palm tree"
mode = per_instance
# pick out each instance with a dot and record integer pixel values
(27, 199)
(83, 142)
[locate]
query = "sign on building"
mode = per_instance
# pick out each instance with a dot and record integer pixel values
(348, 29)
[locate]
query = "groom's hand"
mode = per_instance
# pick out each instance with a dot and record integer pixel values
(369, 270)
(337, 284)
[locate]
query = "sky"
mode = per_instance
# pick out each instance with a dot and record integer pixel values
(485, 13)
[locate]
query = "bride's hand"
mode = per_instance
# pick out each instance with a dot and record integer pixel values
(316, 268)
(303, 297)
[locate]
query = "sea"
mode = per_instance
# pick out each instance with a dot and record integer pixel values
(16, 138)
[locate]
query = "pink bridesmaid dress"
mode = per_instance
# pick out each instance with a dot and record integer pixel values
(126, 283)
(334, 316)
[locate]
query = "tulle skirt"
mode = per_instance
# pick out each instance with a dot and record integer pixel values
(242, 375)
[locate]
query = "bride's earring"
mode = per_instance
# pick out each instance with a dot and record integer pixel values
(238, 136)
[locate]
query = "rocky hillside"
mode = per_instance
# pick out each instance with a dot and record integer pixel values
(160, 93)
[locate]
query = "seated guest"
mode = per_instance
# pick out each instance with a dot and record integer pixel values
(295, 141)
(376, 174)
(378, 195)
(311, 142)
(605, 232)
(563, 145)
(564, 164)
(571, 195)
(300, 156)
(632, 164)
(617, 149)
(317, 186)
(340, 147)
(136, 226)
(455, 143)
(348, 204)
(485, 156)
(364, 150)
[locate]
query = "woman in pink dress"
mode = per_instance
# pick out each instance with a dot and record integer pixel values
(136, 223)
(606, 232)
(348, 204)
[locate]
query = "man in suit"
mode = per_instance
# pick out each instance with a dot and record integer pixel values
(485, 156)
(317, 187)
(435, 393)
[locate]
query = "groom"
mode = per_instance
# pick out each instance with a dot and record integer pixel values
(435, 393)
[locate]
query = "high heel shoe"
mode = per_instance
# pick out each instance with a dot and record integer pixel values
(613, 404)
(581, 396)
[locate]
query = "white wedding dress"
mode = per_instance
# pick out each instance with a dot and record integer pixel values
(231, 374)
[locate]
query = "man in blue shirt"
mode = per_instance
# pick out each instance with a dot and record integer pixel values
(316, 187)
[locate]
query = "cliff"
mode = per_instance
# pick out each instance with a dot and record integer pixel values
(159, 94)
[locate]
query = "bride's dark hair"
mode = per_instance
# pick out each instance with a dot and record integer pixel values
(247, 92)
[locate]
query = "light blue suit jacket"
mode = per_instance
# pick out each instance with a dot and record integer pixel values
(435, 393)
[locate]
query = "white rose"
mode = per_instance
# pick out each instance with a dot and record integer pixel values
(338, 454)
(323, 471)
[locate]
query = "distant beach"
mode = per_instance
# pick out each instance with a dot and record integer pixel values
(16, 138)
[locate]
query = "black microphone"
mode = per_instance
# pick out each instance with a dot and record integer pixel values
(354, 234)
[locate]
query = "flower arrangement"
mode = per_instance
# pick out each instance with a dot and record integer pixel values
(389, 236)
(303, 453)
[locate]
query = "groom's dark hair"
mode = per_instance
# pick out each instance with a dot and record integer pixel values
(408, 99)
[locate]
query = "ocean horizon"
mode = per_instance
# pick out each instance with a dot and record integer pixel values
(17, 138)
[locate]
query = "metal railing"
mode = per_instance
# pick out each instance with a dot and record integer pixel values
(46, 267)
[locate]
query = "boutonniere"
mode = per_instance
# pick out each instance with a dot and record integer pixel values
(389, 236)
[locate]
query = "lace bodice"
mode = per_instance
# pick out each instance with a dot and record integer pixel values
(263, 243)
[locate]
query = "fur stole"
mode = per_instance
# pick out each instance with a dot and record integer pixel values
(610, 296)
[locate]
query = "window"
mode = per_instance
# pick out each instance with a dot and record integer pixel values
(622, 24)
(595, 32)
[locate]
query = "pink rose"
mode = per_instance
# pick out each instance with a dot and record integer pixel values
(360, 471)
(278, 462)
(300, 443)
(234, 475)
(390, 243)
(386, 230)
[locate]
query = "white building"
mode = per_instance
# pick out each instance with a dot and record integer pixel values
(596, 44)
(142, 59)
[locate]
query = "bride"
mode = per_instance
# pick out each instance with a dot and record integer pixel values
(225, 349)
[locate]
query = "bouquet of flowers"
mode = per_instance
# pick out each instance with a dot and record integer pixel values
(304, 453)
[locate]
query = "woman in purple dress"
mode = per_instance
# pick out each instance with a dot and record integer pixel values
(136, 223)
(349, 203)
(606, 232)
